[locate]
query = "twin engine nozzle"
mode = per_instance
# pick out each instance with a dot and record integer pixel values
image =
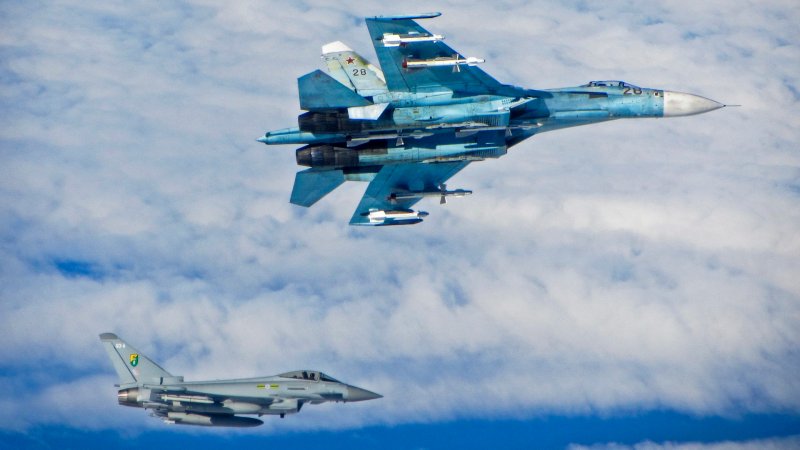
(327, 155)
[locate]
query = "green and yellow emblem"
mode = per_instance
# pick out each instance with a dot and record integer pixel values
(134, 359)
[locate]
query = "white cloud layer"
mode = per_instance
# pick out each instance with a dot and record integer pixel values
(787, 443)
(636, 265)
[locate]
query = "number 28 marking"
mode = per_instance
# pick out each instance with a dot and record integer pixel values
(359, 72)
(627, 91)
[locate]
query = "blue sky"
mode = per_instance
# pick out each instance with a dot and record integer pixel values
(637, 274)
(577, 433)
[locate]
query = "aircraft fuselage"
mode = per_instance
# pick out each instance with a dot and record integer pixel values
(435, 127)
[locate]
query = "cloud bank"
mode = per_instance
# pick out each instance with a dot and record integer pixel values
(759, 444)
(630, 266)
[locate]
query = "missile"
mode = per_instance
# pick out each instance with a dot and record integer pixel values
(428, 15)
(187, 399)
(442, 193)
(396, 40)
(416, 134)
(455, 61)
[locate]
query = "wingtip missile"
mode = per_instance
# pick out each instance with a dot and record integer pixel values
(429, 15)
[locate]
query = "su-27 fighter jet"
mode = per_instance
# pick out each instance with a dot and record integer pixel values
(430, 112)
(144, 384)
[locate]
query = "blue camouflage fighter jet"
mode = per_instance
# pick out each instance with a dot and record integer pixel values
(408, 128)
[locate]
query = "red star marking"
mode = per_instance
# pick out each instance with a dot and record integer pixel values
(350, 60)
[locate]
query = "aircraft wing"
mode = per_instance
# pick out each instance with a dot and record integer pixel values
(399, 178)
(466, 79)
(184, 406)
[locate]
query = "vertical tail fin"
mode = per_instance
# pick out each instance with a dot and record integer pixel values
(353, 71)
(131, 366)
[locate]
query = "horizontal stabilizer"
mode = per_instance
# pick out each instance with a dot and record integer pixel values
(319, 91)
(311, 185)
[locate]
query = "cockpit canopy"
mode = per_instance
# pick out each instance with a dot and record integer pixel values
(610, 83)
(310, 375)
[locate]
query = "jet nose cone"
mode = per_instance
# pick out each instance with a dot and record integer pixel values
(355, 394)
(682, 104)
(264, 138)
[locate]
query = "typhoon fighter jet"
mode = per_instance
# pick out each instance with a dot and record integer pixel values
(430, 111)
(144, 384)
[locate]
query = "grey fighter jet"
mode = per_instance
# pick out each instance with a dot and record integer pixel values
(144, 384)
